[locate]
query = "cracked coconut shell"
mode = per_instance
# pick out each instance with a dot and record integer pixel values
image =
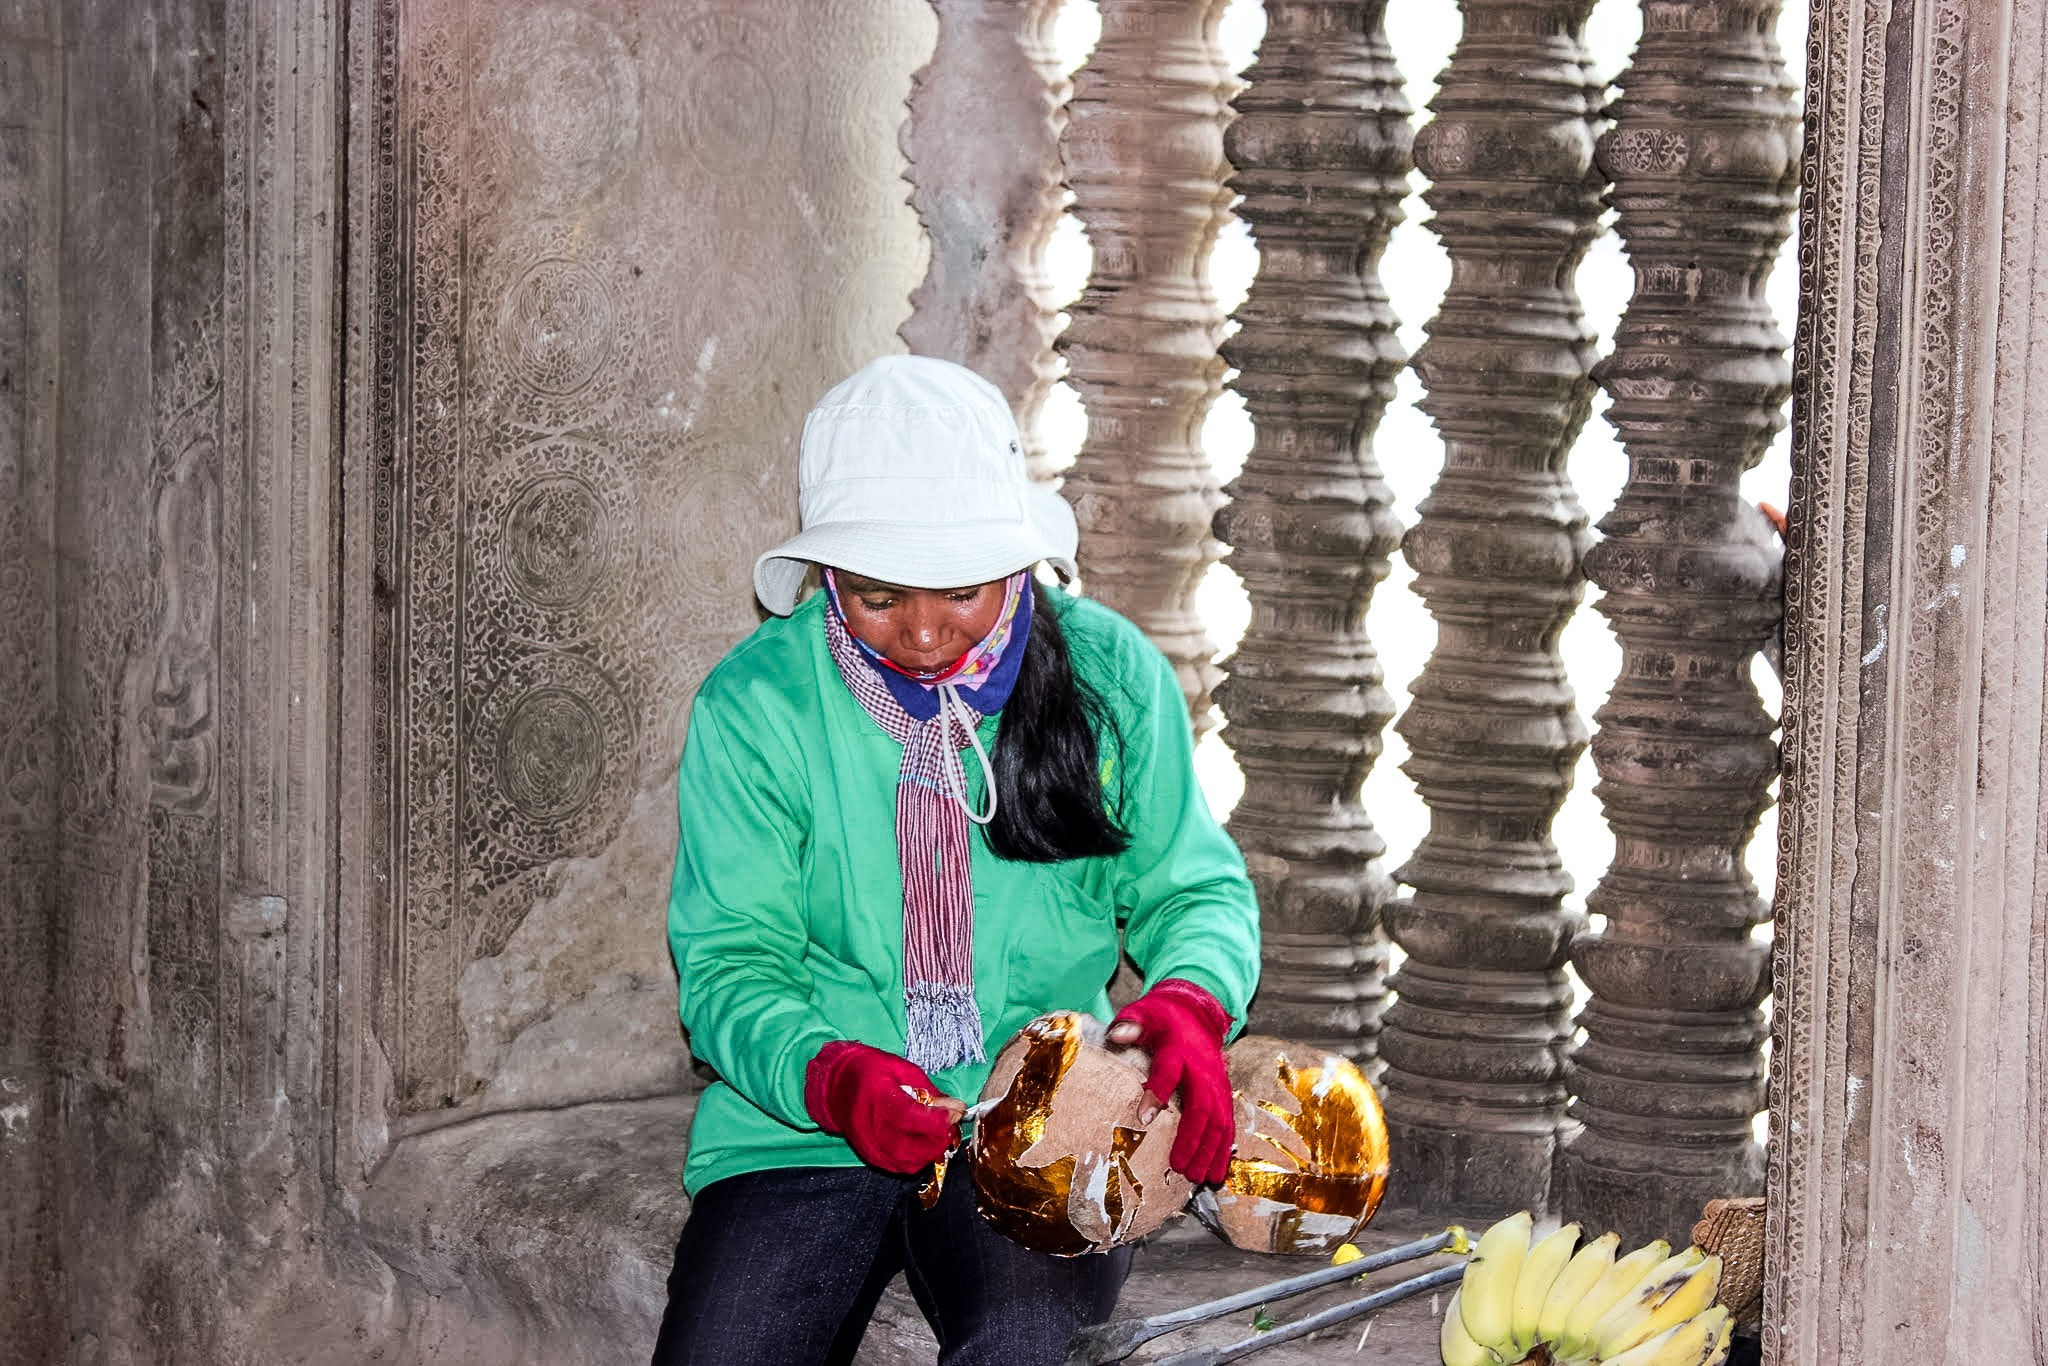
(1061, 1163)
(1310, 1163)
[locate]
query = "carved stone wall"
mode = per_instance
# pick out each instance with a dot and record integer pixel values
(1321, 146)
(1907, 1218)
(1704, 160)
(358, 552)
(625, 247)
(169, 182)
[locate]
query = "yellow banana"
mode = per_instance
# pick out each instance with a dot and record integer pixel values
(1720, 1329)
(1685, 1288)
(1456, 1345)
(1624, 1276)
(1626, 1322)
(1669, 1348)
(1540, 1270)
(1489, 1284)
(1701, 1340)
(1580, 1274)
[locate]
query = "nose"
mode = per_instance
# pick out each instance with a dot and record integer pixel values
(924, 625)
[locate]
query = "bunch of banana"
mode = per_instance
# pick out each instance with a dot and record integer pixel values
(1557, 1302)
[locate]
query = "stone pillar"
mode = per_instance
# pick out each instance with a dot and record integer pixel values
(1704, 159)
(169, 177)
(1321, 146)
(1144, 154)
(983, 142)
(1909, 1071)
(32, 1319)
(1474, 1045)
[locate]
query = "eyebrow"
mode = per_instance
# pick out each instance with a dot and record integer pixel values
(860, 583)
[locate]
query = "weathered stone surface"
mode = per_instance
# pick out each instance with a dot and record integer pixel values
(581, 1002)
(170, 168)
(1144, 154)
(31, 210)
(983, 142)
(531, 449)
(534, 1237)
(1910, 1040)
(1474, 1045)
(1321, 145)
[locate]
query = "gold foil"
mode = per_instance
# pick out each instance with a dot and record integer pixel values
(1311, 1161)
(1061, 1164)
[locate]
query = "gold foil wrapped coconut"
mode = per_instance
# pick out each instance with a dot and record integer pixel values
(1310, 1163)
(1061, 1163)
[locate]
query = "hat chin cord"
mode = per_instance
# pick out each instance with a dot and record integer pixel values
(954, 708)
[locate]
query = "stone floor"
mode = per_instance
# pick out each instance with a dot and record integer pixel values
(1184, 1264)
(543, 1238)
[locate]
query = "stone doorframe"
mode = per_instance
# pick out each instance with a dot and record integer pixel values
(1907, 1220)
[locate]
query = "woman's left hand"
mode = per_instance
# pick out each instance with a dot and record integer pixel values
(1182, 1027)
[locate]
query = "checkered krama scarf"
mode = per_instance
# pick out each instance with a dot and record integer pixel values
(934, 721)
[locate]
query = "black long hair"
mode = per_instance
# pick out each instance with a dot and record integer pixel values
(1050, 804)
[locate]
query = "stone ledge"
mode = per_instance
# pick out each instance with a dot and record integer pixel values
(545, 1237)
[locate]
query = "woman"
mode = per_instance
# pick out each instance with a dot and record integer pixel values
(916, 810)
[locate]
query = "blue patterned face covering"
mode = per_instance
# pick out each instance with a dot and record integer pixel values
(981, 678)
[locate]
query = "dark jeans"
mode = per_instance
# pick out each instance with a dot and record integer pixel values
(786, 1266)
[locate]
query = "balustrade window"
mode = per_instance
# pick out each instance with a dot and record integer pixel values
(1736, 97)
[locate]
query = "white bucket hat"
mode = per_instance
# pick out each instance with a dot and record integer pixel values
(912, 472)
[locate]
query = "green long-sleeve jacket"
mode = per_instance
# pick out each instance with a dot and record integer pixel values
(786, 911)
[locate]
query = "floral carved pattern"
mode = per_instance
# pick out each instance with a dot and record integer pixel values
(588, 373)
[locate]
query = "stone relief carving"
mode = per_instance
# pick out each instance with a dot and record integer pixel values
(184, 1031)
(633, 243)
(185, 553)
(1913, 701)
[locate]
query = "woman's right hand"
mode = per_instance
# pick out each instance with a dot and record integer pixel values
(882, 1104)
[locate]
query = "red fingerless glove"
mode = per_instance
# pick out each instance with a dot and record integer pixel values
(857, 1091)
(1182, 1027)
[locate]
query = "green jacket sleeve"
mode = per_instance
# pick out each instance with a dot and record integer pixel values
(1181, 887)
(735, 911)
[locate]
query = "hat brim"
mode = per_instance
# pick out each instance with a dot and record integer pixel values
(919, 554)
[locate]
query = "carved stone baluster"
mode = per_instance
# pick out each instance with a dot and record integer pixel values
(1322, 145)
(1704, 157)
(1144, 154)
(1474, 1047)
(983, 142)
